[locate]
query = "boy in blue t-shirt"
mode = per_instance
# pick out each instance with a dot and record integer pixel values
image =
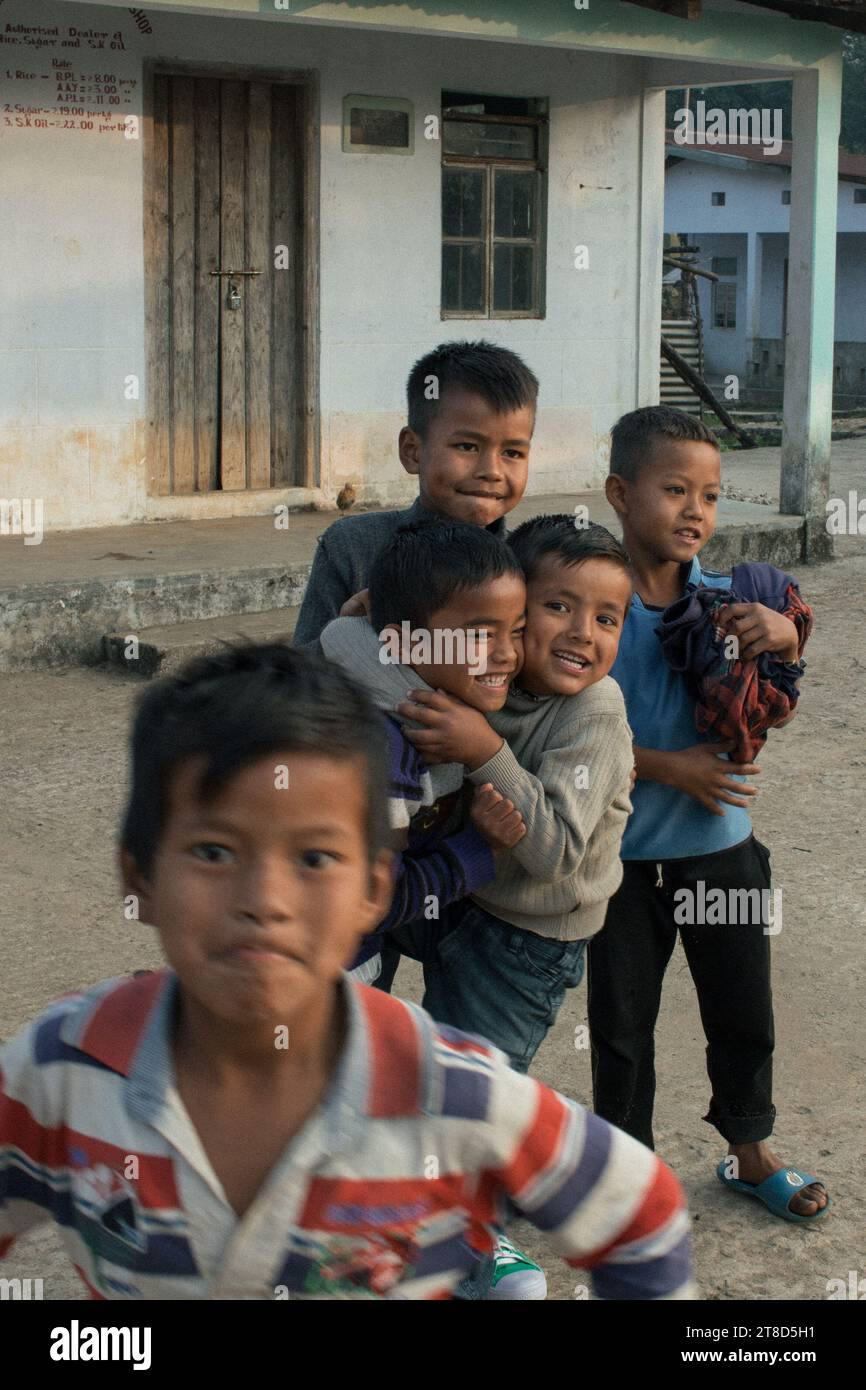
(688, 847)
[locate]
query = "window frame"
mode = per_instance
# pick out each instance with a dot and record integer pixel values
(357, 100)
(489, 240)
(727, 285)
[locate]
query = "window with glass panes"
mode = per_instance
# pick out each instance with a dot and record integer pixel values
(492, 206)
(725, 292)
(725, 304)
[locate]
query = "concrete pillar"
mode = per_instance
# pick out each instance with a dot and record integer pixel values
(808, 402)
(651, 221)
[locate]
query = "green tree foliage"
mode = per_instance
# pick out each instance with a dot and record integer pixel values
(854, 93)
(739, 94)
(778, 95)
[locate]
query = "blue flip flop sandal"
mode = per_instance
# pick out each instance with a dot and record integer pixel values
(776, 1191)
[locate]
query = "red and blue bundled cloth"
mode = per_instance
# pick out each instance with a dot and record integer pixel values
(735, 699)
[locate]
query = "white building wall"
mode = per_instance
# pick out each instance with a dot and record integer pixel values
(753, 204)
(851, 216)
(72, 255)
(724, 348)
(753, 198)
(775, 254)
(851, 288)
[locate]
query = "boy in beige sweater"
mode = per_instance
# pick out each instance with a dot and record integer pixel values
(499, 963)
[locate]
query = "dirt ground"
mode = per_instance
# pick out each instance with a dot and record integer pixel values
(62, 750)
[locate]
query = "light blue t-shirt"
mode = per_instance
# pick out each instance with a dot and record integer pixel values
(666, 823)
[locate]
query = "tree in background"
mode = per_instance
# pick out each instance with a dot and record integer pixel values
(778, 95)
(854, 94)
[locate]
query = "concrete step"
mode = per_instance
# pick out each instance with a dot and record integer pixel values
(58, 600)
(163, 650)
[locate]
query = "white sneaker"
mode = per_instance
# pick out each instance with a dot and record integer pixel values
(515, 1277)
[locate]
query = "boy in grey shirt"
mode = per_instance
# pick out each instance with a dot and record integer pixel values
(470, 417)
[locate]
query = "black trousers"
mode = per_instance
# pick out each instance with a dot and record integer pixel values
(729, 962)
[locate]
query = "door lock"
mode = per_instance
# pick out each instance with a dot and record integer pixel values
(233, 298)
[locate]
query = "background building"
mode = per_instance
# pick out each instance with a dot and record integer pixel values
(393, 176)
(735, 204)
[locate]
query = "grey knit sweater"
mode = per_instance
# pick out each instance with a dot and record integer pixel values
(566, 764)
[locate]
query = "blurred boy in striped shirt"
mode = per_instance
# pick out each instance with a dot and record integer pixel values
(251, 1123)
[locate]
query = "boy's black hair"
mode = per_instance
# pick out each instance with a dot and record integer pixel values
(560, 535)
(425, 563)
(236, 706)
(496, 374)
(632, 434)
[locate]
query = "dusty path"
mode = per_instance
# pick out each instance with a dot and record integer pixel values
(62, 753)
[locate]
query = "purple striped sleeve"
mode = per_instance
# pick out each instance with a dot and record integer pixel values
(456, 867)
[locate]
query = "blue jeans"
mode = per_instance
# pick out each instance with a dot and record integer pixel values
(486, 977)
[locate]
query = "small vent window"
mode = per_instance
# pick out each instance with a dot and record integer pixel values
(378, 125)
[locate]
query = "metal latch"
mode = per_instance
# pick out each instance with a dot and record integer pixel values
(233, 298)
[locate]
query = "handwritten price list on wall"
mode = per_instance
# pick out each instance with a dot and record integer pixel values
(83, 91)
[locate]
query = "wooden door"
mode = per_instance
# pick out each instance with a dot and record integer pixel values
(227, 379)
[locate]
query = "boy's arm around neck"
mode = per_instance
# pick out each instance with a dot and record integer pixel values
(437, 871)
(574, 780)
(443, 873)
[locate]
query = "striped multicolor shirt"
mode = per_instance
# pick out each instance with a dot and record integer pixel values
(425, 1143)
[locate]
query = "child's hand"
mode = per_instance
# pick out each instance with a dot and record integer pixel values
(760, 629)
(452, 733)
(702, 774)
(495, 818)
(358, 606)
